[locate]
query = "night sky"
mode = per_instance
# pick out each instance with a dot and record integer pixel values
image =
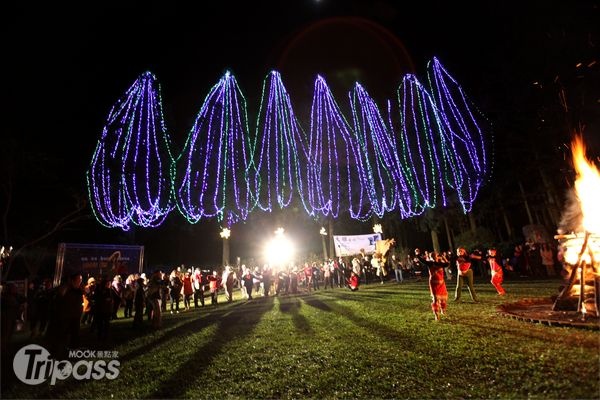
(64, 67)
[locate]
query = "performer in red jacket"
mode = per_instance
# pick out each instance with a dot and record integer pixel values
(497, 274)
(214, 282)
(437, 285)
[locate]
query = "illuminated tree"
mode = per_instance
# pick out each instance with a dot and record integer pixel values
(279, 150)
(462, 125)
(335, 155)
(212, 172)
(128, 178)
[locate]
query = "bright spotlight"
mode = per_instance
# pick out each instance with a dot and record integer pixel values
(279, 250)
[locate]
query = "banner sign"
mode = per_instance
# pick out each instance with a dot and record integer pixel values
(349, 245)
(97, 260)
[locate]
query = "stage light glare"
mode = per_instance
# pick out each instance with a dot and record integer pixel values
(279, 250)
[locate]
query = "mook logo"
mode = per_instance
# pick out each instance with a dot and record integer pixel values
(32, 365)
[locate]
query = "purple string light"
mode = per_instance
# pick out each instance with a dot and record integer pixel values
(128, 178)
(211, 174)
(369, 168)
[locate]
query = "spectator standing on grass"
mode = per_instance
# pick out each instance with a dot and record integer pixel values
(327, 276)
(228, 279)
(42, 306)
(156, 286)
(267, 275)
(69, 310)
(88, 301)
(117, 293)
(376, 264)
(139, 303)
(214, 282)
(418, 261)
(128, 294)
(463, 263)
(247, 282)
(257, 280)
(198, 282)
(316, 276)
(165, 292)
(104, 306)
(547, 255)
(175, 286)
(397, 269)
(308, 276)
(188, 290)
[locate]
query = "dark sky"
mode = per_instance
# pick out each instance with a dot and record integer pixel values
(66, 65)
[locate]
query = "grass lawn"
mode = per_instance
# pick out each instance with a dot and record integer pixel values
(379, 342)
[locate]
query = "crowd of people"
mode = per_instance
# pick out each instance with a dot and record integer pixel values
(59, 312)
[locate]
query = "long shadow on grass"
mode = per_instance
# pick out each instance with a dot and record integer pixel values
(228, 329)
(291, 305)
(361, 297)
(171, 330)
(378, 329)
(121, 333)
(316, 303)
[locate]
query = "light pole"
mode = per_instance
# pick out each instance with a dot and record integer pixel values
(377, 228)
(323, 233)
(225, 233)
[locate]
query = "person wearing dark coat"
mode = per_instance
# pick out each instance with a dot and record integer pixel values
(139, 303)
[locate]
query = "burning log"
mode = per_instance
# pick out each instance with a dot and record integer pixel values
(582, 291)
(581, 250)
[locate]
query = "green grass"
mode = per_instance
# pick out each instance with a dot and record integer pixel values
(379, 342)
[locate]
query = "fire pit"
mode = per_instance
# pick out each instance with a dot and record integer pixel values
(540, 311)
(578, 303)
(582, 266)
(580, 249)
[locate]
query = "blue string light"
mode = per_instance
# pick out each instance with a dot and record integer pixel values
(128, 178)
(368, 168)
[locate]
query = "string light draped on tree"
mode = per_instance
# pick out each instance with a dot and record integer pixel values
(128, 178)
(335, 154)
(279, 150)
(421, 145)
(432, 145)
(386, 183)
(212, 171)
(460, 117)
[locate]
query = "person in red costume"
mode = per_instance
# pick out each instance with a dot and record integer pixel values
(497, 274)
(353, 282)
(214, 282)
(463, 264)
(437, 285)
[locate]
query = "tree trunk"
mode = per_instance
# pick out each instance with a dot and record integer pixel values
(448, 235)
(526, 203)
(225, 252)
(506, 222)
(472, 222)
(435, 241)
(331, 244)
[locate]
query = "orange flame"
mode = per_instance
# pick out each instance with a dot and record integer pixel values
(587, 186)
